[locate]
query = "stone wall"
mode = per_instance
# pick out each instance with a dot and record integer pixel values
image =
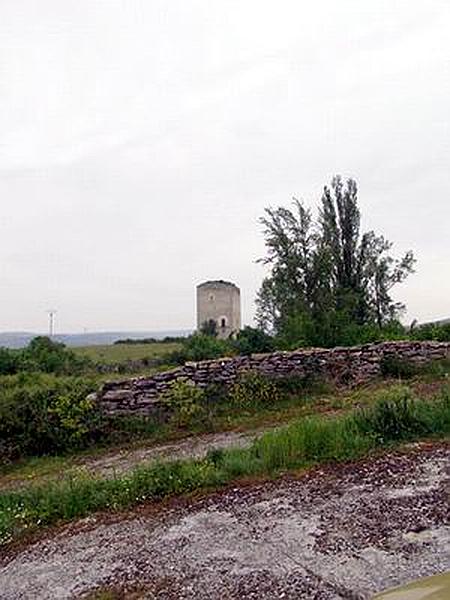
(344, 366)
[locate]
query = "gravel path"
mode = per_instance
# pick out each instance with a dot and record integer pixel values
(120, 462)
(341, 532)
(117, 462)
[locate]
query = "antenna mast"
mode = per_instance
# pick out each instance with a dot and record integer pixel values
(51, 321)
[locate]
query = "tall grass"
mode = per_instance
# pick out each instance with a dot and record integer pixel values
(391, 420)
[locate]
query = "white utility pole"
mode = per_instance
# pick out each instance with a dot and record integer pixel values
(51, 321)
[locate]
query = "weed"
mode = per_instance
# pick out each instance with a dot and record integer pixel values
(393, 366)
(399, 416)
(253, 390)
(185, 401)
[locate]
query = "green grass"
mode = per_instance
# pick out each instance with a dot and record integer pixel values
(121, 353)
(314, 400)
(395, 418)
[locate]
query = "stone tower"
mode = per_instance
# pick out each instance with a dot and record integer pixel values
(219, 301)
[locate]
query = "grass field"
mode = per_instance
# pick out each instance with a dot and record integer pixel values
(121, 353)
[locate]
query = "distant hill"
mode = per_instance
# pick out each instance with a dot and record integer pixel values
(437, 322)
(19, 339)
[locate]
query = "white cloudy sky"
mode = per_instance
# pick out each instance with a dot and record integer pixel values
(141, 140)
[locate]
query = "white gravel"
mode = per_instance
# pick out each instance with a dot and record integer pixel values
(340, 532)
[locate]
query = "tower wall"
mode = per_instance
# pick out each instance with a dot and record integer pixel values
(219, 301)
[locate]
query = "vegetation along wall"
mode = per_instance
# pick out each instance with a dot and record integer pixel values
(344, 366)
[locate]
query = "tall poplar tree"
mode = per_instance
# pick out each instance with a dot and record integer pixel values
(328, 282)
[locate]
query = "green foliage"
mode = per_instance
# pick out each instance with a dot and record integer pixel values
(309, 441)
(329, 284)
(185, 402)
(42, 355)
(40, 506)
(253, 341)
(209, 328)
(400, 416)
(73, 413)
(331, 330)
(394, 418)
(44, 414)
(393, 366)
(9, 363)
(300, 385)
(45, 355)
(439, 332)
(253, 390)
(199, 347)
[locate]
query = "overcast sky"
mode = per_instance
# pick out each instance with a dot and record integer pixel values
(141, 140)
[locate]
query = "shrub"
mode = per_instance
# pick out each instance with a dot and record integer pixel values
(252, 341)
(185, 402)
(8, 361)
(252, 389)
(42, 355)
(199, 347)
(432, 331)
(43, 414)
(399, 416)
(393, 366)
(300, 384)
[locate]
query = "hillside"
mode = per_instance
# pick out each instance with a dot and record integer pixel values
(19, 339)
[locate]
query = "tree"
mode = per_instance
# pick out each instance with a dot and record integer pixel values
(252, 341)
(209, 328)
(328, 282)
(8, 361)
(44, 354)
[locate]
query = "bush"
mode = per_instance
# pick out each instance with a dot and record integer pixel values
(393, 366)
(199, 347)
(399, 416)
(292, 385)
(42, 355)
(334, 329)
(253, 390)
(8, 361)
(253, 341)
(439, 332)
(185, 402)
(43, 414)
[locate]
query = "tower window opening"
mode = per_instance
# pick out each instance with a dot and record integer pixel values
(223, 322)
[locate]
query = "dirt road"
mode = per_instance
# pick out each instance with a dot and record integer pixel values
(341, 532)
(115, 463)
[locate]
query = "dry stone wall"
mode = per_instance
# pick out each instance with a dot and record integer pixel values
(344, 366)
